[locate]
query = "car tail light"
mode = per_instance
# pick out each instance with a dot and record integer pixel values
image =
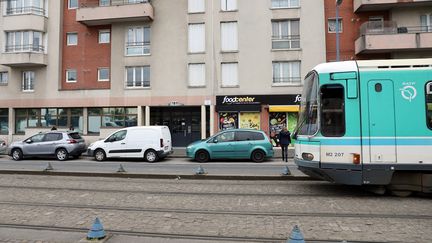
(72, 141)
(356, 159)
(161, 143)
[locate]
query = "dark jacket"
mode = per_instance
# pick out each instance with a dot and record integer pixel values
(284, 138)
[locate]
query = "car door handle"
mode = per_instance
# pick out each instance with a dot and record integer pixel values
(123, 143)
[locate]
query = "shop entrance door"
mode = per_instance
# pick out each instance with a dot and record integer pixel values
(183, 122)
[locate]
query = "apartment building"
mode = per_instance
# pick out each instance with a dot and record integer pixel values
(197, 66)
(379, 29)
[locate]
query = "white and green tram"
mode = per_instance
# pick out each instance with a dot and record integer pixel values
(368, 123)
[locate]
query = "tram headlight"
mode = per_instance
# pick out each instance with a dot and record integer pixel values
(307, 156)
(356, 158)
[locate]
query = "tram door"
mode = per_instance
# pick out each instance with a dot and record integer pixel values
(382, 132)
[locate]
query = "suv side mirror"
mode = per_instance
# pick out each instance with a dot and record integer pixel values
(215, 140)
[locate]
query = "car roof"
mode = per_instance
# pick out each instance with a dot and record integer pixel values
(242, 129)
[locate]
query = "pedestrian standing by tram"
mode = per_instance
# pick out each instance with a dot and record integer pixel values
(284, 141)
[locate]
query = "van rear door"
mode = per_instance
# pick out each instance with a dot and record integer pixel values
(166, 136)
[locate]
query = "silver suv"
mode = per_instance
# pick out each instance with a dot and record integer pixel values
(54, 143)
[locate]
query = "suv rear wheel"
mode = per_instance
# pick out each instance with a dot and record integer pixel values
(258, 156)
(62, 154)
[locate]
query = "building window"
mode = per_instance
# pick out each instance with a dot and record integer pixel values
(286, 73)
(72, 4)
(196, 74)
(71, 76)
(426, 22)
(49, 117)
(138, 41)
(24, 41)
(332, 25)
(3, 78)
(196, 38)
(138, 77)
(229, 40)
(285, 3)
(72, 39)
(228, 5)
(196, 6)
(104, 36)
(4, 121)
(286, 34)
(25, 7)
(104, 3)
(103, 74)
(111, 117)
(28, 78)
(230, 74)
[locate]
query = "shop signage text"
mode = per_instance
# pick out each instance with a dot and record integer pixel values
(239, 100)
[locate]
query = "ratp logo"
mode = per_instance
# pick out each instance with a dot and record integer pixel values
(408, 92)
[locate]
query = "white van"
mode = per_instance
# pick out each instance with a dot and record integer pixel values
(148, 142)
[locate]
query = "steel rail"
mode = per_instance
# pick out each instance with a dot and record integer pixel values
(221, 212)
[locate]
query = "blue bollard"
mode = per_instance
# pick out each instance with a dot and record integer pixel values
(286, 171)
(96, 232)
(296, 236)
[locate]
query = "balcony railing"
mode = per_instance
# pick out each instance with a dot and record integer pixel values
(285, 41)
(97, 3)
(26, 10)
(24, 48)
(137, 48)
(390, 27)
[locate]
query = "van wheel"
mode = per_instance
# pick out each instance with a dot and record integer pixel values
(17, 154)
(99, 155)
(202, 156)
(258, 156)
(151, 156)
(62, 154)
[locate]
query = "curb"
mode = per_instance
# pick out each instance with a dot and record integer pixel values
(161, 176)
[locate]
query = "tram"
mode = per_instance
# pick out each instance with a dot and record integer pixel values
(368, 122)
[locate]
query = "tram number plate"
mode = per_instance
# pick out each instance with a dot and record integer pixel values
(336, 154)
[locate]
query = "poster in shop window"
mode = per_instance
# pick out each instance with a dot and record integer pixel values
(250, 120)
(228, 120)
(277, 120)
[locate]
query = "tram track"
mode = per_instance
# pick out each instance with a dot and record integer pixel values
(172, 236)
(219, 212)
(177, 193)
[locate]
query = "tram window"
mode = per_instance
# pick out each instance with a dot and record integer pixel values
(429, 104)
(332, 116)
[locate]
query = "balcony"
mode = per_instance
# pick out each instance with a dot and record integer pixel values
(379, 5)
(23, 56)
(95, 12)
(386, 37)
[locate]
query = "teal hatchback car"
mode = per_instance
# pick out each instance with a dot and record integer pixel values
(232, 144)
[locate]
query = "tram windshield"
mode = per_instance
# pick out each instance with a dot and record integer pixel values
(308, 122)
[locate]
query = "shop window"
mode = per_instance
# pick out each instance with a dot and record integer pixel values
(277, 121)
(228, 120)
(48, 117)
(111, 117)
(250, 120)
(332, 110)
(4, 117)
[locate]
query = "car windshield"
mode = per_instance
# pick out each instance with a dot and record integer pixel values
(308, 122)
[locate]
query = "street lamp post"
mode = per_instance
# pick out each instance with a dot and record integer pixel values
(338, 3)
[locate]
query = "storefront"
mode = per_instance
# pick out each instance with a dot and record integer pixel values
(269, 113)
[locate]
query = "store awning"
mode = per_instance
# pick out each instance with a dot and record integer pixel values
(283, 108)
